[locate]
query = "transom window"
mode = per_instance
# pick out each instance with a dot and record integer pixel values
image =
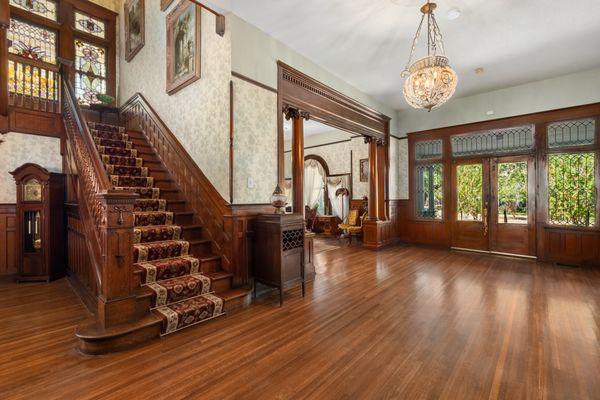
(496, 141)
(43, 8)
(571, 133)
(429, 149)
(88, 24)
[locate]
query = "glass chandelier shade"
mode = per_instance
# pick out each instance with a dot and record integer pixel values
(430, 81)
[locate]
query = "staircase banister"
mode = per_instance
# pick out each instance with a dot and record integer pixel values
(103, 181)
(216, 198)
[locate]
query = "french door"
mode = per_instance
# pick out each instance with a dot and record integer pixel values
(493, 205)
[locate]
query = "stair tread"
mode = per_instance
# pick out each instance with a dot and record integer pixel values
(234, 293)
(218, 275)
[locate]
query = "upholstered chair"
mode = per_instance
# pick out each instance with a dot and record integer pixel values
(353, 225)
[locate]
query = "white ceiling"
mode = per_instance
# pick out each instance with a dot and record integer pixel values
(367, 42)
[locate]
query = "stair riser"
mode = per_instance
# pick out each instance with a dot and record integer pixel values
(170, 195)
(238, 303)
(192, 234)
(200, 249)
(164, 184)
(210, 266)
(158, 175)
(176, 207)
(221, 285)
(183, 219)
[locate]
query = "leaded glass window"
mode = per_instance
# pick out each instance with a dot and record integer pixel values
(88, 24)
(428, 150)
(496, 141)
(571, 133)
(430, 202)
(43, 8)
(90, 72)
(572, 189)
(32, 41)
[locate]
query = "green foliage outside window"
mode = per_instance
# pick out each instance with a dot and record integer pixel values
(469, 196)
(571, 189)
(512, 192)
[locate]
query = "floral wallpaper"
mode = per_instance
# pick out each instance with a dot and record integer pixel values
(398, 169)
(198, 114)
(254, 142)
(20, 148)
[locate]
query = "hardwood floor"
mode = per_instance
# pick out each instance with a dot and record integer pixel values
(404, 323)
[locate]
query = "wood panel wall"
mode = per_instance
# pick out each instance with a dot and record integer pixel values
(8, 227)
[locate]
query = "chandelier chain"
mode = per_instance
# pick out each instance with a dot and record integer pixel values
(414, 46)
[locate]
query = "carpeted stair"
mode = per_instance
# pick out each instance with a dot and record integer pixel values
(181, 294)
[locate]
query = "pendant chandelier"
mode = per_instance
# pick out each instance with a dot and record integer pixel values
(430, 81)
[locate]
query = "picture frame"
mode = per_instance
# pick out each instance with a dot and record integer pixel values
(183, 46)
(135, 27)
(364, 170)
(164, 4)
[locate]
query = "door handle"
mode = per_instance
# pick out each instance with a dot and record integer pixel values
(485, 219)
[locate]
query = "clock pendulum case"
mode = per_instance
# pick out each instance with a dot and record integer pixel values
(40, 223)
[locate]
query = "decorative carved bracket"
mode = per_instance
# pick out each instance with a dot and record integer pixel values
(294, 112)
(377, 140)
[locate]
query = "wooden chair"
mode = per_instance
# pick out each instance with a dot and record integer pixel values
(353, 226)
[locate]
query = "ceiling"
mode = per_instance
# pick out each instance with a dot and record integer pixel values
(367, 42)
(310, 128)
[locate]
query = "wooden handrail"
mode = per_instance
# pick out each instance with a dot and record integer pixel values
(79, 119)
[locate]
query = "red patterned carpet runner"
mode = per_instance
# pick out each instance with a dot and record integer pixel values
(181, 294)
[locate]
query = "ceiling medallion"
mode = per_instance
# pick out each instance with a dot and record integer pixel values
(430, 81)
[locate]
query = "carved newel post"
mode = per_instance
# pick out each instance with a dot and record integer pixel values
(116, 302)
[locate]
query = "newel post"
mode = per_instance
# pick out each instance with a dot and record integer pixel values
(116, 301)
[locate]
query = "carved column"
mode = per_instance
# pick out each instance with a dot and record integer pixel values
(373, 179)
(116, 301)
(297, 118)
(382, 174)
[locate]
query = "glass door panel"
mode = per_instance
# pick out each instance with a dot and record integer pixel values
(470, 204)
(512, 228)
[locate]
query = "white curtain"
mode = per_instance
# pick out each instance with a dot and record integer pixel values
(340, 205)
(314, 182)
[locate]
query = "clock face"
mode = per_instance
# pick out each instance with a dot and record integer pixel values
(32, 190)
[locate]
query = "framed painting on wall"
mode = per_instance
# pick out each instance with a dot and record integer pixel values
(364, 170)
(164, 4)
(135, 33)
(183, 46)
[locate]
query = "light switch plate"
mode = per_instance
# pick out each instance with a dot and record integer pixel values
(250, 182)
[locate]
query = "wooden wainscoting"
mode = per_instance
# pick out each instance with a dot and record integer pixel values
(8, 264)
(569, 246)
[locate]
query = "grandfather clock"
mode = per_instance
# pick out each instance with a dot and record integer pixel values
(40, 223)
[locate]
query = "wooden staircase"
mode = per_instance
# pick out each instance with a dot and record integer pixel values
(200, 247)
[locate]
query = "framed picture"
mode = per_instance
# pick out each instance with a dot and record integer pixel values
(364, 170)
(183, 46)
(135, 32)
(164, 4)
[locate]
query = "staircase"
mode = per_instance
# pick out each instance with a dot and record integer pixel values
(180, 280)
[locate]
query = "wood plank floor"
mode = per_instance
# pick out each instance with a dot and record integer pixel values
(404, 323)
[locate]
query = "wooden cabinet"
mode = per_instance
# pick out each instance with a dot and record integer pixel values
(279, 251)
(40, 239)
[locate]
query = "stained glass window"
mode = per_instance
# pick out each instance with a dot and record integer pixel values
(32, 41)
(88, 24)
(90, 75)
(43, 8)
